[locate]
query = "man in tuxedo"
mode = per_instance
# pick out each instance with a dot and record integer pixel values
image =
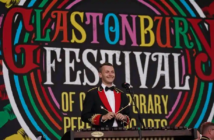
(106, 105)
(207, 131)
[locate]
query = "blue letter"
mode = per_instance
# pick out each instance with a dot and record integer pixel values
(111, 28)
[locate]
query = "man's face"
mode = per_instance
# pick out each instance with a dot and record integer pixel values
(107, 74)
(212, 132)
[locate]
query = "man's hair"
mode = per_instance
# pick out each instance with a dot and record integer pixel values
(205, 126)
(104, 64)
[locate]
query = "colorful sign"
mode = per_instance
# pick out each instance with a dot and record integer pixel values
(51, 51)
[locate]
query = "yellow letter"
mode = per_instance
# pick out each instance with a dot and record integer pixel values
(71, 101)
(88, 126)
(157, 104)
(142, 104)
(78, 27)
(132, 123)
(145, 30)
(157, 121)
(72, 123)
(64, 101)
(67, 123)
(137, 103)
(165, 101)
(82, 97)
(81, 124)
(145, 123)
(164, 123)
(150, 105)
(150, 123)
(130, 100)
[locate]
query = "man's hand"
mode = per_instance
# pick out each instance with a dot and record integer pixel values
(120, 116)
(108, 116)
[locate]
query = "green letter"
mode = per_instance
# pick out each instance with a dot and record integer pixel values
(182, 31)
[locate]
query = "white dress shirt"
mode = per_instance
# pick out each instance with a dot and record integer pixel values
(111, 100)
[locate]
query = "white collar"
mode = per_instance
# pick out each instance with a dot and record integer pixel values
(104, 86)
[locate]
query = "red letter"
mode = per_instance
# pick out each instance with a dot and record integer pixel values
(203, 57)
(60, 15)
(159, 34)
(7, 42)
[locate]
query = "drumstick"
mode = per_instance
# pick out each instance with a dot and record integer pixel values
(123, 108)
(104, 108)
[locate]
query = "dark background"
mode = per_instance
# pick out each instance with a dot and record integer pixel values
(12, 126)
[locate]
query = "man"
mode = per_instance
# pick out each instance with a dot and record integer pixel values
(207, 131)
(106, 105)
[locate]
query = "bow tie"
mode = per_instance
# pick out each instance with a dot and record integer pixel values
(109, 88)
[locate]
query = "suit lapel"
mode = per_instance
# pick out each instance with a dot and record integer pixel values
(117, 97)
(104, 99)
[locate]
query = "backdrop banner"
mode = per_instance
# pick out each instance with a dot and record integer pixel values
(51, 51)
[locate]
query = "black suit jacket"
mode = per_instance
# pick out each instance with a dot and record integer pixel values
(92, 112)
